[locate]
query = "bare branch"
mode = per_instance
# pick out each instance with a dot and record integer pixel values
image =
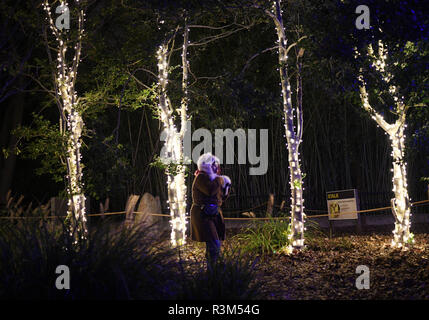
(253, 57)
(209, 39)
(139, 82)
(295, 43)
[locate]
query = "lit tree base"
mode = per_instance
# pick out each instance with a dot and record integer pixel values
(402, 237)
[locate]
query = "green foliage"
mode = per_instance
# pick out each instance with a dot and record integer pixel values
(227, 89)
(115, 87)
(298, 184)
(266, 237)
(108, 168)
(43, 141)
(272, 236)
(169, 167)
(411, 239)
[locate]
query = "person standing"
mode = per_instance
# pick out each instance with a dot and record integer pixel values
(209, 190)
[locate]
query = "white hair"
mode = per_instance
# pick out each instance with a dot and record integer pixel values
(206, 160)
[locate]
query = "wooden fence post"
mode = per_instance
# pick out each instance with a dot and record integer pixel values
(270, 205)
(129, 209)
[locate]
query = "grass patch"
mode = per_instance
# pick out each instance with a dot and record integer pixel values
(232, 277)
(272, 236)
(264, 238)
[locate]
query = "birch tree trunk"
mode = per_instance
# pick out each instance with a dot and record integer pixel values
(293, 134)
(173, 153)
(401, 206)
(67, 100)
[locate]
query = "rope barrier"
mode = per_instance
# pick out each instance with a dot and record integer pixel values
(369, 210)
(417, 203)
(106, 214)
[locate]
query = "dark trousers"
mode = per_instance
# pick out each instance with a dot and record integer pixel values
(212, 250)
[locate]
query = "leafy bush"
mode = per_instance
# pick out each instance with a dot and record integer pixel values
(232, 277)
(112, 265)
(114, 262)
(44, 141)
(266, 237)
(272, 236)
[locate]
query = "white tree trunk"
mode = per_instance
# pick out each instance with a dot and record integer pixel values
(68, 104)
(293, 135)
(401, 207)
(173, 147)
(76, 205)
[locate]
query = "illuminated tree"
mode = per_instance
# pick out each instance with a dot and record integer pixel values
(400, 203)
(293, 122)
(172, 155)
(173, 152)
(71, 122)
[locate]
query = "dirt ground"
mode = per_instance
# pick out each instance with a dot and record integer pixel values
(326, 269)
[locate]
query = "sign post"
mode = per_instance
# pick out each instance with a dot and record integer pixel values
(343, 205)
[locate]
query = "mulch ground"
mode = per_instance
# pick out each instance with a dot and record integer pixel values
(326, 269)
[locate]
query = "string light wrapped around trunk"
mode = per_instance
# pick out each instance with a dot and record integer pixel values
(65, 79)
(293, 134)
(401, 207)
(173, 147)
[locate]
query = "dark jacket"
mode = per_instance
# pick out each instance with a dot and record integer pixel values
(205, 191)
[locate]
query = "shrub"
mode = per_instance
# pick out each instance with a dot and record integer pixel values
(111, 265)
(114, 262)
(232, 277)
(272, 236)
(266, 237)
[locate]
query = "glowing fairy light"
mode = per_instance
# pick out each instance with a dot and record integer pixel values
(401, 206)
(174, 143)
(64, 83)
(293, 135)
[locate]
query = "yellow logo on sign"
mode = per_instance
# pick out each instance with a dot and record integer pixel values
(333, 196)
(334, 209)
